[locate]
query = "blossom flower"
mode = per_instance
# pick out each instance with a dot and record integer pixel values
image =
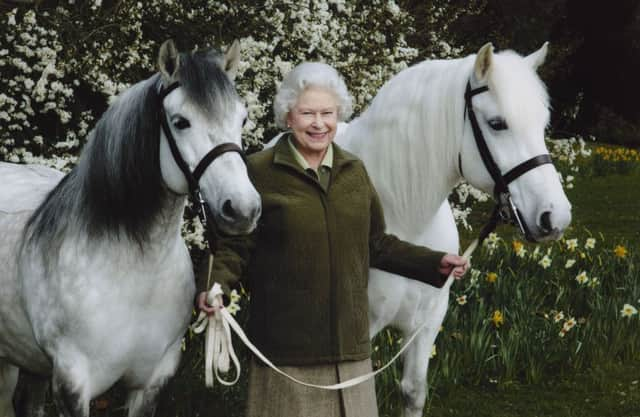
(628, 310)
(590, 243)
(545, 262)
(462, 300)
(234, 296)
(570, 263)
(433, 351)
(492, 277)
(620, 251)
(572, 244)
(582, 278)
(497, 318)
(558, 317)
(233, 308)
(569, 324)
(492, 239)
(594, 282)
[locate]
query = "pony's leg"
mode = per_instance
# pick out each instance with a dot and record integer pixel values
(414, 375)
(71, 384)
(143, 402)
(8, 382)
(31, 402)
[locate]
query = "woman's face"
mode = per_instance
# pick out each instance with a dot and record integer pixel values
(313, 121)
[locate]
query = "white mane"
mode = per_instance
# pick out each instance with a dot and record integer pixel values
(407, 121)
(417, 123)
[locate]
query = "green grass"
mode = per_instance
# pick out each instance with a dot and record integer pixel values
(612, 390)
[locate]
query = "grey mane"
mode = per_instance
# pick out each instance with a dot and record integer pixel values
(117, 188)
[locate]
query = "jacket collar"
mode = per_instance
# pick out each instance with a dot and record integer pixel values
(282, 155)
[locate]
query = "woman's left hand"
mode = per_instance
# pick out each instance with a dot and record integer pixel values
(455, 264)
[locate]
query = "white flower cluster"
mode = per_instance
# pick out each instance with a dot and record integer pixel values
(33, 84)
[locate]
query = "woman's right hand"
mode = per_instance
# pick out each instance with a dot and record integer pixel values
(203, 305)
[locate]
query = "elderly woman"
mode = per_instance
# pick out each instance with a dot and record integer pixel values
(307, 263)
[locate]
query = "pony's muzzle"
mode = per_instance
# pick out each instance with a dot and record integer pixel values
(239, 216)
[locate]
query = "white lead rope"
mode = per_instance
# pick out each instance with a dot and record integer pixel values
(218, 346)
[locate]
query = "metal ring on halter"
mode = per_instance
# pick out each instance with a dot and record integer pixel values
(506, 209)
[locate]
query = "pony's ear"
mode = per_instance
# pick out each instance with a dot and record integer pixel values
(232, 59)
(484, 59)
(168, 59)
(537, 58)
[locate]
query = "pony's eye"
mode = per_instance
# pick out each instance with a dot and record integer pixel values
(181, 124)
(498, 123)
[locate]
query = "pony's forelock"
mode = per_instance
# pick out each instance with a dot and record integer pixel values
(511, 79)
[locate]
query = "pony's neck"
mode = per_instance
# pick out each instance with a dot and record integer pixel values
(410, 138)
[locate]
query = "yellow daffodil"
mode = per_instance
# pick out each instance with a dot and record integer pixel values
(518, 249)
(497, 318)
(492, 277)
(628, 310)
(620, 251)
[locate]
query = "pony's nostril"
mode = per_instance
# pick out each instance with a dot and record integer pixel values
(545, 221)
(228, 211)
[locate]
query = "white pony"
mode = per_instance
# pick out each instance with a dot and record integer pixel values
(97, 283)
(417, 142)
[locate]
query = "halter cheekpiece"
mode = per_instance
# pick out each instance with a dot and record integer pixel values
(505, 210)
(193, 178)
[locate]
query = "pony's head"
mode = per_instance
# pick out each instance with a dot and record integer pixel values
(202, 112)
(510, 105)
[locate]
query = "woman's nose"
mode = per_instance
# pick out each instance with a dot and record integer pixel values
(317, 120)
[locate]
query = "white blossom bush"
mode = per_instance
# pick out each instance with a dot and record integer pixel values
(62, 65)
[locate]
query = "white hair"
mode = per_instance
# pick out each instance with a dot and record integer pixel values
(303, 76)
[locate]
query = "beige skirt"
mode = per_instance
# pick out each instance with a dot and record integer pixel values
(272, 395)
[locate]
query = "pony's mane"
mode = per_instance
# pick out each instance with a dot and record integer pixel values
(117, 186)
(412, 130)
(405, 120)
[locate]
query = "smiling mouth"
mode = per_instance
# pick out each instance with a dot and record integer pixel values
(317, 135)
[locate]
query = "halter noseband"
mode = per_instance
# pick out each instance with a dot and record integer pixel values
(193, 178)
(505, 210)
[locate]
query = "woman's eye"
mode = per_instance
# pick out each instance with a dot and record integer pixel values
(181, 124)
(498, 123)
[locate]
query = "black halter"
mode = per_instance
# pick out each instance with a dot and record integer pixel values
(505, 210)
(193, 178)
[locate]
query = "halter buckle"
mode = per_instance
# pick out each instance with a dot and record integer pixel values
(202, 212)
(509, 212)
